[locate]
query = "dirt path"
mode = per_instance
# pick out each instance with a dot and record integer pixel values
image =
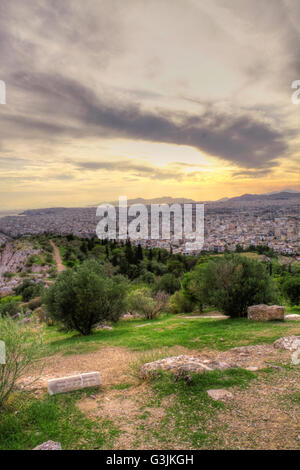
(59, 265)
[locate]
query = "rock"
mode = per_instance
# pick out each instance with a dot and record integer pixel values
(49, 445)
(103, 327)
(292, 316)
(74, 382)
(131, 316)
(219, 394)
(144, 324)
(291, 343)
(184, 363)
(252, 368)
(266, 312)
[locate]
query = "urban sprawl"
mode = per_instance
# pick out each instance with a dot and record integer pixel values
(237, 222)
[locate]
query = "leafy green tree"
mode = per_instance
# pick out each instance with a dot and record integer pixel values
(82, 297)
(179, 303)
(233, 283)
(9, 306)
(144, 302)
(175, 267)
(193, 286)
(168, 283)
(28, 290)
(291, 290)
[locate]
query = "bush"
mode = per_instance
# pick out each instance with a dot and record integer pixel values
(22, 347)
(179, 303)
(9, 306)
(168, 283)
(233, 283)
(142, 301)
(81, 298)
(8, 275)
(193, 286)
(291, 290)
(28, 290)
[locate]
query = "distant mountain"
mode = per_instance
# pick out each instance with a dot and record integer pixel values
(286, 190)
(257, 200)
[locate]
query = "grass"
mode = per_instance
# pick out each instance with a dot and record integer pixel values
(171, 330)
(27, 422)
(293, 398)
(191, 414)
(293, 309)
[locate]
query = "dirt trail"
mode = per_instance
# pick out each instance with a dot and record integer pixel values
(59, 265)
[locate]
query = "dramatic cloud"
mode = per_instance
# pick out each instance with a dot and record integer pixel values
(131, 167)
(175, 91)
(69, 108)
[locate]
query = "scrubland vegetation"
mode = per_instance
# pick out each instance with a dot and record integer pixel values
(170, 302)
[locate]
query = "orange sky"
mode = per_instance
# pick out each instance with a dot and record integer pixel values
(147, 99)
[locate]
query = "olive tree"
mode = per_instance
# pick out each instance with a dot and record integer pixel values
(82, 297)
(232, 283)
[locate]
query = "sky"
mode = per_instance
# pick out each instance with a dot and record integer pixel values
(147, 98)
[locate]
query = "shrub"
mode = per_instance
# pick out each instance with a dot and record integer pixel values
(168, 283)
(179, 303)
(142, 301)
(291, 290)
(81, 298)
(22, 348)
(8, 275)
(9, 306)
(194, 287)
(28, 290)
(233, 283)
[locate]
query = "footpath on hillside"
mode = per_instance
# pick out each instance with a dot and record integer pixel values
(59, 264)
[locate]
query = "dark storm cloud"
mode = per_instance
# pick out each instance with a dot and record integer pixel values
(64, 106)
(251, 173)
(131, 167)
(46, 48)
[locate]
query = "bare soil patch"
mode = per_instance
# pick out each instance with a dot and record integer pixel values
(259, 417)
(264, 415)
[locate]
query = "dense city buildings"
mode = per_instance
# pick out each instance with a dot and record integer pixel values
(271, 220)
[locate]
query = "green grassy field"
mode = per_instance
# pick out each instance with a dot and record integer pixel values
(172, 330)
(162, 412)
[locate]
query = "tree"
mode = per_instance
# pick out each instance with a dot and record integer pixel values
(28, 290)
(79, 299)
(179, 303)
(291, 289)
(175, 267)
(143, 302)
(233, 283)
(168, 283)
(193, 286)
(9, 306)
(139, 253)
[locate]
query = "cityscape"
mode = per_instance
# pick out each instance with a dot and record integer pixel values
(273, 221)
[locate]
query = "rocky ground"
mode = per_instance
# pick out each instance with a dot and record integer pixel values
(263, 416)
(14, 257)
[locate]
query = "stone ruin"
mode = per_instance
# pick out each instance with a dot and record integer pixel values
(266, 312)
